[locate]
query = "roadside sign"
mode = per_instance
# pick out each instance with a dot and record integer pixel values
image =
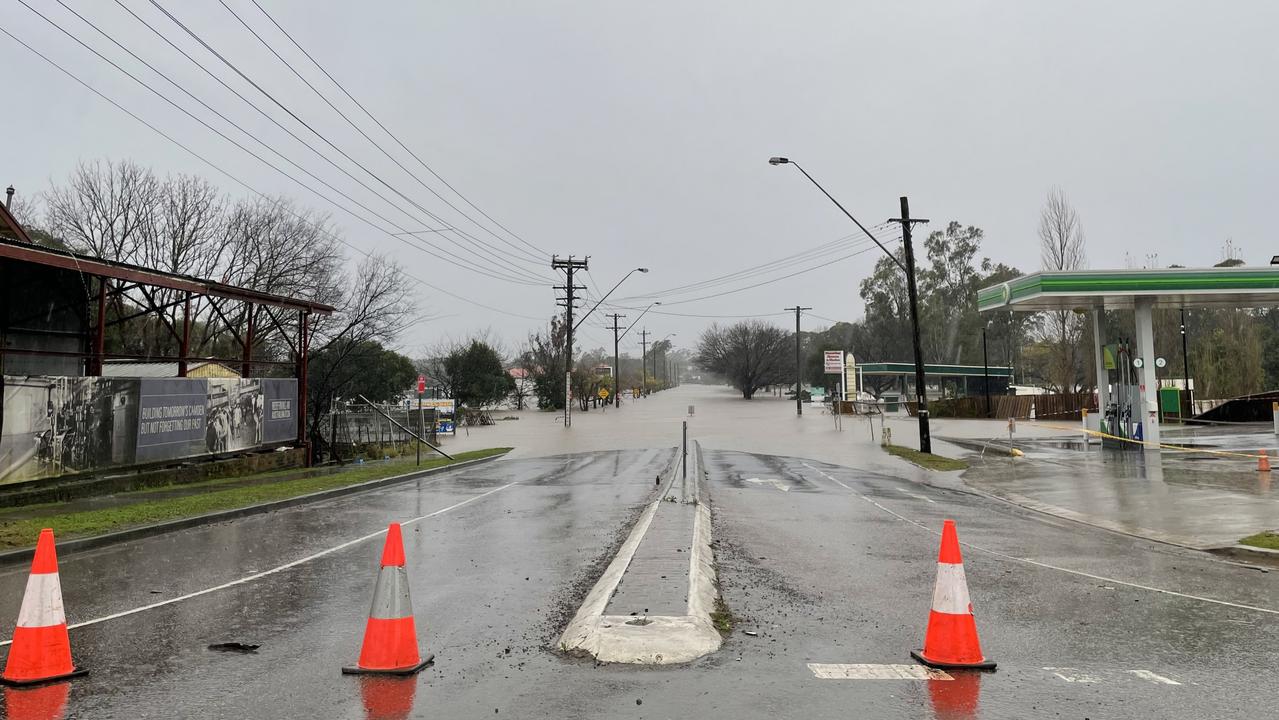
(421, 384)
(833, 362)
(603, 393)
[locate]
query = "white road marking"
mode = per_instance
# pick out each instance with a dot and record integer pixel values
(904, 491)
(1074, 675)
(1036, 563)
(1152, 677)
(828, 671)
(770, 481)
(277, 569)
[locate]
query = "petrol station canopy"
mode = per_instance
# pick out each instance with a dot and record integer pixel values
(1120, 289)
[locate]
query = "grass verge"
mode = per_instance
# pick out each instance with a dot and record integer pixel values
(926, 460)
(722, 618)
(251, 490)
(1268, 540)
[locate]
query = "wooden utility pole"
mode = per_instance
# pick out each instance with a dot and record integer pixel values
(921, 391)
(799, 367)
(569, 266)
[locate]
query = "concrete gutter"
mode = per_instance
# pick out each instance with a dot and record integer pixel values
(96, 541)
(654, 640)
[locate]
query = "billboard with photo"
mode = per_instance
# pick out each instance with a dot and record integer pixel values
(59, 425)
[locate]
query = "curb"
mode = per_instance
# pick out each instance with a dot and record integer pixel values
(96, 541)
(662, 640)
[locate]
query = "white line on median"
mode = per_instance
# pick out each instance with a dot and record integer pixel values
(862, 671)
(281, 568)
(1047, 566)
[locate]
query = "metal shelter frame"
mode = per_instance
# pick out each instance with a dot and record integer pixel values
(250, 316)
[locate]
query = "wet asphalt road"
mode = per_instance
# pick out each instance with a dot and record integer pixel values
(830, 569)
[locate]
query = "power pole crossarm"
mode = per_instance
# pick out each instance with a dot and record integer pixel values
(799, 365)
(569, 266)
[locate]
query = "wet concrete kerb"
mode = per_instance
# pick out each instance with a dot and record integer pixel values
(92, 542)
(657, 639)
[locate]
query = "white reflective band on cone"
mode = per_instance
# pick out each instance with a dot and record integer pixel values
(391, 595)
(42, 602)
(950, 594)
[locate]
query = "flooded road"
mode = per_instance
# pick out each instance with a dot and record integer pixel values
(818, 563)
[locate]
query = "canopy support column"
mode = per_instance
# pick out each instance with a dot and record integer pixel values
(1149, 411)
(1098, 356)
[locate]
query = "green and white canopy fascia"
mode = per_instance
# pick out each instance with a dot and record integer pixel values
(1120, 289)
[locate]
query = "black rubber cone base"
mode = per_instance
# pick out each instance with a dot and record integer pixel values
(983, 665)
(411, 670)
(43, 681)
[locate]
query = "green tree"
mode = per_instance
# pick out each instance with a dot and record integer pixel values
(477, 376)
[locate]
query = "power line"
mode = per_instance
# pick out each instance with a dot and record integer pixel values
(235, 179)
(365, 135)
(825, 248)
(222, 58)
(771, 280)
(457, 260)
(414, 155)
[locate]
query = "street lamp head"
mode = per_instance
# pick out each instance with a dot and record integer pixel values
(778, 160)
(657, 303)
(643, 270)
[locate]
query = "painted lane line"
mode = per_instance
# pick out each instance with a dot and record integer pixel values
(277, 569)
(861, 671)
(1036, 563)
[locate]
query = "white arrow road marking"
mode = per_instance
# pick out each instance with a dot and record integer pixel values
(858, 671)
(917, 497)
(770, 481)
(1147, 675)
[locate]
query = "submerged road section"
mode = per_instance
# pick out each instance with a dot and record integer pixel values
(826, 574)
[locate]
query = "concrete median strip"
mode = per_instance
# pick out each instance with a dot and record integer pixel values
(657, 639)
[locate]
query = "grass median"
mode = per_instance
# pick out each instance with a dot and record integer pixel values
(1267, 540)
(19, 527)
(928, 461)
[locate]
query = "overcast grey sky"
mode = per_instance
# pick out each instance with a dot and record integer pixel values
(639, 133)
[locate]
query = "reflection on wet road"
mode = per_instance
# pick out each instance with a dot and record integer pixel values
(832, 571)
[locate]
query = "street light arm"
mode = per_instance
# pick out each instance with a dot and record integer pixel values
(610, 292)
(850, 215)
(641, 316)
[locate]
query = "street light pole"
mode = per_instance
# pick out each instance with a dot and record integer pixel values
(985, 363)
(925, 441)
(799, 374)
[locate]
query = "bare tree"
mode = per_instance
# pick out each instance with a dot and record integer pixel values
(751, 354)
(1061, 244)
(104, 208)
(372, 313)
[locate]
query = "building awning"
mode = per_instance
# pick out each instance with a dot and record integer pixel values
(1119, 289)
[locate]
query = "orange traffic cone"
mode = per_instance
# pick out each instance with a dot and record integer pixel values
(390, 637)
(951, 639)
(1263, 462)
(41, 649)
